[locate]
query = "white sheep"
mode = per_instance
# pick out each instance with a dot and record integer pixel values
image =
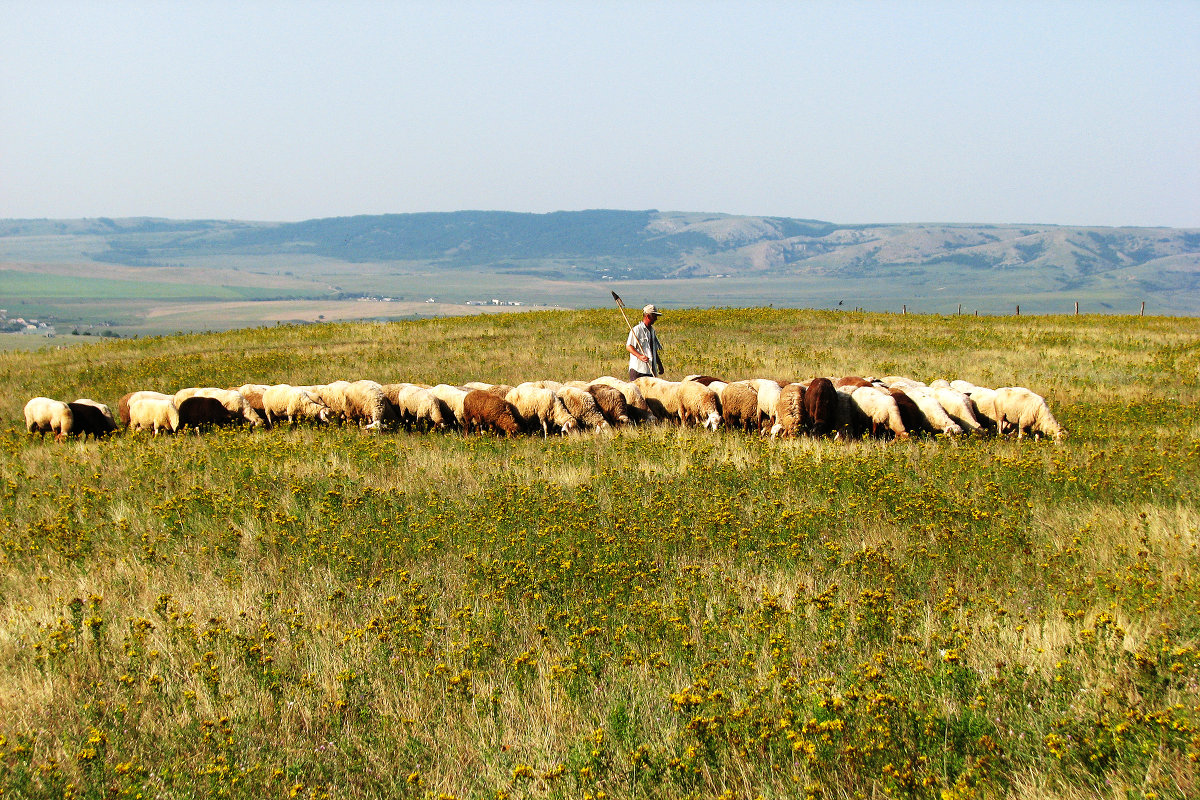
(366, 402)
(662, 396)
(1027, 411)
(768, 399)
(937, 417)
(880, 409)
(540, 406)
(958, 405)
(43, 415)
(984, 400)
(153, 413)
(293, 403)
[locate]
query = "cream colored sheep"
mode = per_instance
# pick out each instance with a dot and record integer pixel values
(739, 406)
(538, 406)
(1027, 411)
(453, 397)
(700, 405)
(662, 397)
(293, 403)
(153, 414)
(367, 403)
(43, 415)
(790, 414)
(582, 407)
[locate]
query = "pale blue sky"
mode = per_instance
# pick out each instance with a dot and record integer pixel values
(1083, 113)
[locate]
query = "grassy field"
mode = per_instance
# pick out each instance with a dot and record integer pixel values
(652, 613)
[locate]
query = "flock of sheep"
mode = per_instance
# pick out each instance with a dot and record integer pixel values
(848, 407)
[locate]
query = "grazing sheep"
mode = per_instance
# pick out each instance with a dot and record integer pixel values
(501, 390)
(90, 417)
(611, 404)
(123, 403)
(1027, 411)
(199, 412)
(367, 402)
(293, 403)
(768, 399)
(958, 405)
(333, 395)
(791, 412)
(662, 396)
(985, 404)
(935, 415)
(482, 409)
(699, 404)
(253, 393)
(850, 382)
(639, 409)
(553, 386)
(417, 407)
(43, 415)
(153, 413)
(900, 382)
(453, 397)
(821, 406)
(739, 407)
(232, 399)
(539, 407)
(910, 414)
(716, 384)
(583, 407)
(880, 410)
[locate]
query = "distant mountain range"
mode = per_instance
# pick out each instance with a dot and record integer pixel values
(654, 245)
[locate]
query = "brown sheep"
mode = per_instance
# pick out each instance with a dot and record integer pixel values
(90, 417)
(821, 406)
(739, 406)
(203, 412)
(612, 404)
(482, 409)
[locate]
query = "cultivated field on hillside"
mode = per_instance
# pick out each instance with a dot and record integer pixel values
(323, 612)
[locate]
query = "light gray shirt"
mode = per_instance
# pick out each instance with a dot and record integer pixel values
(646, 341)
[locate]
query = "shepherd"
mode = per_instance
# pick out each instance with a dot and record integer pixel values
(644, 347)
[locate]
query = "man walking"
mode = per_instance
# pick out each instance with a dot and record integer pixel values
(644, 347)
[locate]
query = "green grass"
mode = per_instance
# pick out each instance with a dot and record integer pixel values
(654, 613)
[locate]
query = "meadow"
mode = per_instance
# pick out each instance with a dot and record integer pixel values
(657, 612)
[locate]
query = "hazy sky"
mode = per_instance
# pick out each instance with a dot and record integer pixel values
(1051, 112)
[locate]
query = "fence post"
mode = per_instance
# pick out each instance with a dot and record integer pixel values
(960, 308)
(1142, 313)
(1077, 308)
(1018, 311)
(904, 308)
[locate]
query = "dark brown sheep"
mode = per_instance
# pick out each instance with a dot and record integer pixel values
(612, 404)
(90, 417)
(910, 414)
(850, 382)
(205, 412)
(821, 406)
(482, 409)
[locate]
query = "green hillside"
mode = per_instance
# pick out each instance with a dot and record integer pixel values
(646, 613)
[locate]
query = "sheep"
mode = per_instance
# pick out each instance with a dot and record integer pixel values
(43, 415)
(820, 406)
(199, 412)
(367, 402)
(910, 414)
(958, 405)
(293, 403)
(123, 403)
(153, 413)
(537, 406)
(985, 404)
(501, 390)
(768, 399)
(553, 386)
(416, 406)
(334, 396)
(1027, 411)
(253, 393)
(639, 410)
(791, 412)
(880, 409)
(900, 382)
(90, 417)
(739, 406)
(582, 407)
(662, 396)
(716, 384)
(699, 404)
(232, 399)
(850, 382)
(611, 403)
(482, 409)
(936, 416)
(453, 397)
